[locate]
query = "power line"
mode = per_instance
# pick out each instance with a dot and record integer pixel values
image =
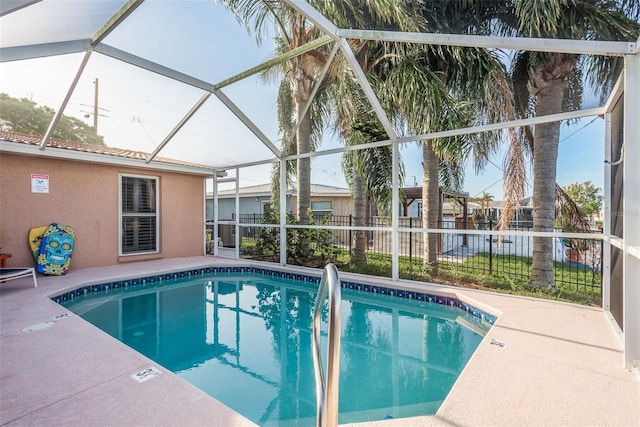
(145, 131)
(529, 161)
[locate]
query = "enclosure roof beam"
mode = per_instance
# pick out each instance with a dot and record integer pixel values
(312, 96)
(213, 88)
(506, 125)
(58, 115)
(366, 87)
(314, 16)
(232, 107)
(10, 6)
(122, 14)
(76, 46)
(20, 53)
(327, 26)
(314, 44)
(179, 126)
(245, 165)
(616, 93)
(454, 132)
(462, 131)
(588, 47)
(247, 122)
(156, 68)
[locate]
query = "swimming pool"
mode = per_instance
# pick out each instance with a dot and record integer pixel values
(243, 335)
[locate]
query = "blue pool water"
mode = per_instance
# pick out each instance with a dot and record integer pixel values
(245, 339)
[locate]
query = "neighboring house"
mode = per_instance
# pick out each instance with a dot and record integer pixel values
(523, 215)
(121, 208)
(454, 205)
(325, 199)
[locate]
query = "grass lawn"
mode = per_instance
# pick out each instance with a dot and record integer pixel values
(510, 274)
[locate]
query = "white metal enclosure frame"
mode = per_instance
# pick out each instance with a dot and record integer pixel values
(631, 218)
(629, 244)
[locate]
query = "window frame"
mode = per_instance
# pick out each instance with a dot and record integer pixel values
(319, 214)
(122, 215)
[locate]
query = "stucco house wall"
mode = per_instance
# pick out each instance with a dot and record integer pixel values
(85, 196)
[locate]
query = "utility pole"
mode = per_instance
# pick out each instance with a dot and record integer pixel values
(96, 108)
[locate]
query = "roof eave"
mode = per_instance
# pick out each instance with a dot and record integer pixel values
(79, 156)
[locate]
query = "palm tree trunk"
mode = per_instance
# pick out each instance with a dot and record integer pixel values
(301, 86)
(430, 201)
(358, 252)
(303, 169)
(545, 156)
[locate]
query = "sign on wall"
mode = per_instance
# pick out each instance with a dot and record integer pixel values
(39, 183)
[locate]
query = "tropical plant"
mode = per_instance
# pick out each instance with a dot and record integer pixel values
(298, 252)
(551, 82)
(478, 215)
(587, 196)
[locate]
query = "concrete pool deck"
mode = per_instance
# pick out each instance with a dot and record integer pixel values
(561, 365)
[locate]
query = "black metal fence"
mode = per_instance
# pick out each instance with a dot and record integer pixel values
(506, 259)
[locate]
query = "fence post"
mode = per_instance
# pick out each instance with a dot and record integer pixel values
(490, 248)
(410, 242)
(350, 232)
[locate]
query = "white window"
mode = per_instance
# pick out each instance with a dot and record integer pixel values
(138, 214)
(321, 209)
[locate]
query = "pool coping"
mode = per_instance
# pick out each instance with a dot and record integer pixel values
(450, 299)
(557, 356)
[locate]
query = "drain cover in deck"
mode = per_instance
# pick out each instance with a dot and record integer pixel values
(38, 326)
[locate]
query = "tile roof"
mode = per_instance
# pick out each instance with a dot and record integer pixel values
(89, 148)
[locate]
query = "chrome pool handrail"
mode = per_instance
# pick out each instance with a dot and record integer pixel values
(327, 393)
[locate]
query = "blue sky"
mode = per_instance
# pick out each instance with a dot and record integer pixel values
(199, 38)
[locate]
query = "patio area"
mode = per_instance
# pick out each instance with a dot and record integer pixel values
(561, 364)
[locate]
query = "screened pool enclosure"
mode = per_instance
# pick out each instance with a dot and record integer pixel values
(194, 84)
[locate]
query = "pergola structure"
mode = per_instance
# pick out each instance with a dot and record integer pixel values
(88, 33)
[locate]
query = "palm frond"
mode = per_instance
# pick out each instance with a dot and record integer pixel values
(376, 14)
(515, 174)
(539, 18)
(259, 17)
(569, 213)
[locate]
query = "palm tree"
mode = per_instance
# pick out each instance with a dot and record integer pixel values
(369, 174)
(298, 78)
(294, 30)
(424, 86)
(418, 83)
(368, 171)
(554, 82)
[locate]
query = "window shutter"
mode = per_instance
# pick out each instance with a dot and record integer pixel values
(139, 218)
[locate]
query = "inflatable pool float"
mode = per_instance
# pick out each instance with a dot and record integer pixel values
(56, 249)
